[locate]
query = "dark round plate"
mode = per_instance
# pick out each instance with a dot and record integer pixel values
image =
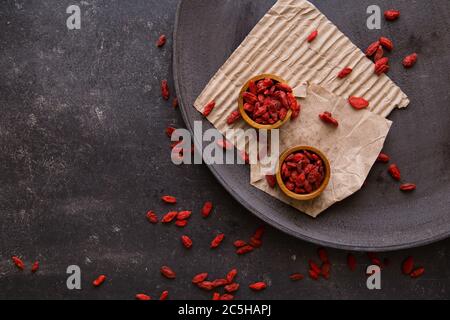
(379, 217)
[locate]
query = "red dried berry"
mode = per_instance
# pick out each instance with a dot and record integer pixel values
(200, 278)
(408, 266)
(358, 103)
(207, 208)
(164, 296)
(169, 199)
(99, 281)
(255, 243)
(216, 296)
(18, 262)
(231, 275)
(181, 223)
(35, 267)
(379, 54)
(313, 36)
(245, 250)
(372, 49)
(313, 275)
(351, 262)
(314, 267)
(184, 215)
(345, 72)
(392, 15)
(165, 91)
(271, 181)
(395, 172)
(408, 187)
(169, 217)
(383, 158)
(417, 273)
(175, 103)
(161, 41)
(227, 297)
(296, 277)
(168, 272)
(220, 283)
(259, 233)
(410, 60)
(186, 241)
(206, 285)
(233, 117)
(209, 108)
(387, 43)
(217, 241)
(323, 255)
(239, 244)
(231, 288)
(258, 286)
(152, 217)
(325, 270)
(143, 297)
(327, 117)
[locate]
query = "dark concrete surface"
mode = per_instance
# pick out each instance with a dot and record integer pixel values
(84, 155)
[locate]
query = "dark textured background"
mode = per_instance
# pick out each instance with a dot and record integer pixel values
(84, 155)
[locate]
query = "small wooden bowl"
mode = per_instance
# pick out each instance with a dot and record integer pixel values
(316, 193)
(247, 118)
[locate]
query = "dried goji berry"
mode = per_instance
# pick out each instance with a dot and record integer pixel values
(407, 187)
(35, 267)
(216, 296)
(169, 199)
(161, 41)
(181, 223)
(410, 60)
(232, 287)
(258, 286)
(272, 181)
(209, 108)
(392, 15)
(387, 43)
(231, 275)
(296, 277)
(143, 297)
(184, 215)
(168, 272)
(383, 158)
(395, 172)
(325, 270)
(99, 281)
(345, 72)
(327, 117)
(217, 241)
(358, 102)
(233, 117)
(206, 285)
(323, 255)
(351, 262)
(152, 217)
(164, 296)
(313, 266)
(18, 262)
(372, 49)
(207, 208)
(417, 273)
(313, 275)
(245, 250)
(255, 243)
(379, 54)
(169, 217)
(313, 36)
(165, 91)
(381, 66)
(408, 266)
(200, 278)
(240, 243)
(186, 241)
(175, 103)
(220, 283)
(259, 233)
(227, 297)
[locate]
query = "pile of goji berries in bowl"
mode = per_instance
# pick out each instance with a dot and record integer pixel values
(267, 102)
(303, 173)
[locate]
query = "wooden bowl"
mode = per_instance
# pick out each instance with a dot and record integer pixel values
(316, 193)
(247, 118)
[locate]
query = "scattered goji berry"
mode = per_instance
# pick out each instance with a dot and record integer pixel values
(272, 181)
(216, 296)
(181, 223)
(169, 199)
(227, 297)
(152, 217)
(381, 66)
(169, 217)
(231, 275)
(258, 286)
(240, 243)
(408, 266)
(184, 215)
(200, 278)
(245, 250)
(18, 262)
(233, 117)
(313, 36)
(323, 255)
(161, 41)
(35, 267)
(345, 72)
(314, 267)
(395, 172)
(168, 272)
(186, 241)
(379, 54)
(207, 209)
(408, 187)
(175, 103)
(255, 243)
(206, 285)
(383, 158)
(164, 296)
(325, 270)
(372, 49)
(209, 108)
(327, 117)
(99, 281)
(220, 283)
(358, 103)
(410, 60)
(143, 297)
(313, 275)
(259, 233)
(165, 91)
(296, 277)
(417, 273)
(387, 43)
(231, 288)
(392, 15)
(217, 241)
